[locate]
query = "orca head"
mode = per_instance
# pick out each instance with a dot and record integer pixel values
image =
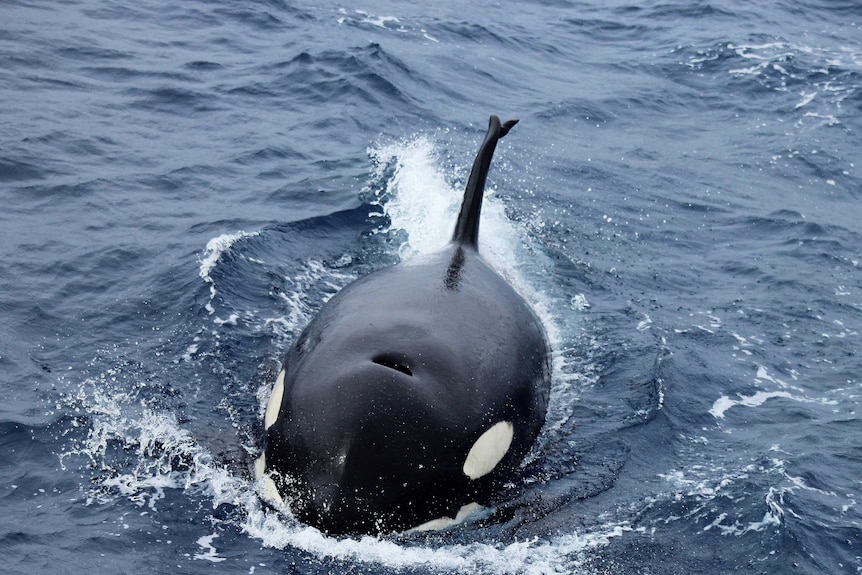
(385, 445)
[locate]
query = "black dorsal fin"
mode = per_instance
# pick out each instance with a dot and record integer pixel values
(467, 227)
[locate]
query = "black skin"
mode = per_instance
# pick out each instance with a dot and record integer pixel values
(389, 387)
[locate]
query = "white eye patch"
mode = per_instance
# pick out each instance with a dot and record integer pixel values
(489, 450)
(274, 405)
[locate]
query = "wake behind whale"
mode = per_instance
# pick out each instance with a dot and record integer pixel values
(413, 393)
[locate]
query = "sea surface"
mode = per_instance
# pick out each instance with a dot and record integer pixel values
(183, 184)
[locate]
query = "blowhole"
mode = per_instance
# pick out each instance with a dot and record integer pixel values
(392, 361)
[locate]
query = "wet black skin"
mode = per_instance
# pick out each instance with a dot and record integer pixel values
(391, 384)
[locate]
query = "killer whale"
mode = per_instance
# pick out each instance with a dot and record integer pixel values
(414, 392)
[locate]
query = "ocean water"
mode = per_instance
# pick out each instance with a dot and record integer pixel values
(184, 184)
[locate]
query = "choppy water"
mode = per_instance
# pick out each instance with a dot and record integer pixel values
(183, 185)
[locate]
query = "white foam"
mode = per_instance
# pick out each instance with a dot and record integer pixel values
(532, 557)
(705, 484)
(763, 374)
(418, 198)
(807, 98)
(190, 351)
(315, 276)
(215, 248)
(723, 403)
(379, 21)
(213, 251)
(210, 554)
(119, 418)
(422, 201)
(645, 323)
(579, 302)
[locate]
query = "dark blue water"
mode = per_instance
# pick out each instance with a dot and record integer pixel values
(184, 184)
